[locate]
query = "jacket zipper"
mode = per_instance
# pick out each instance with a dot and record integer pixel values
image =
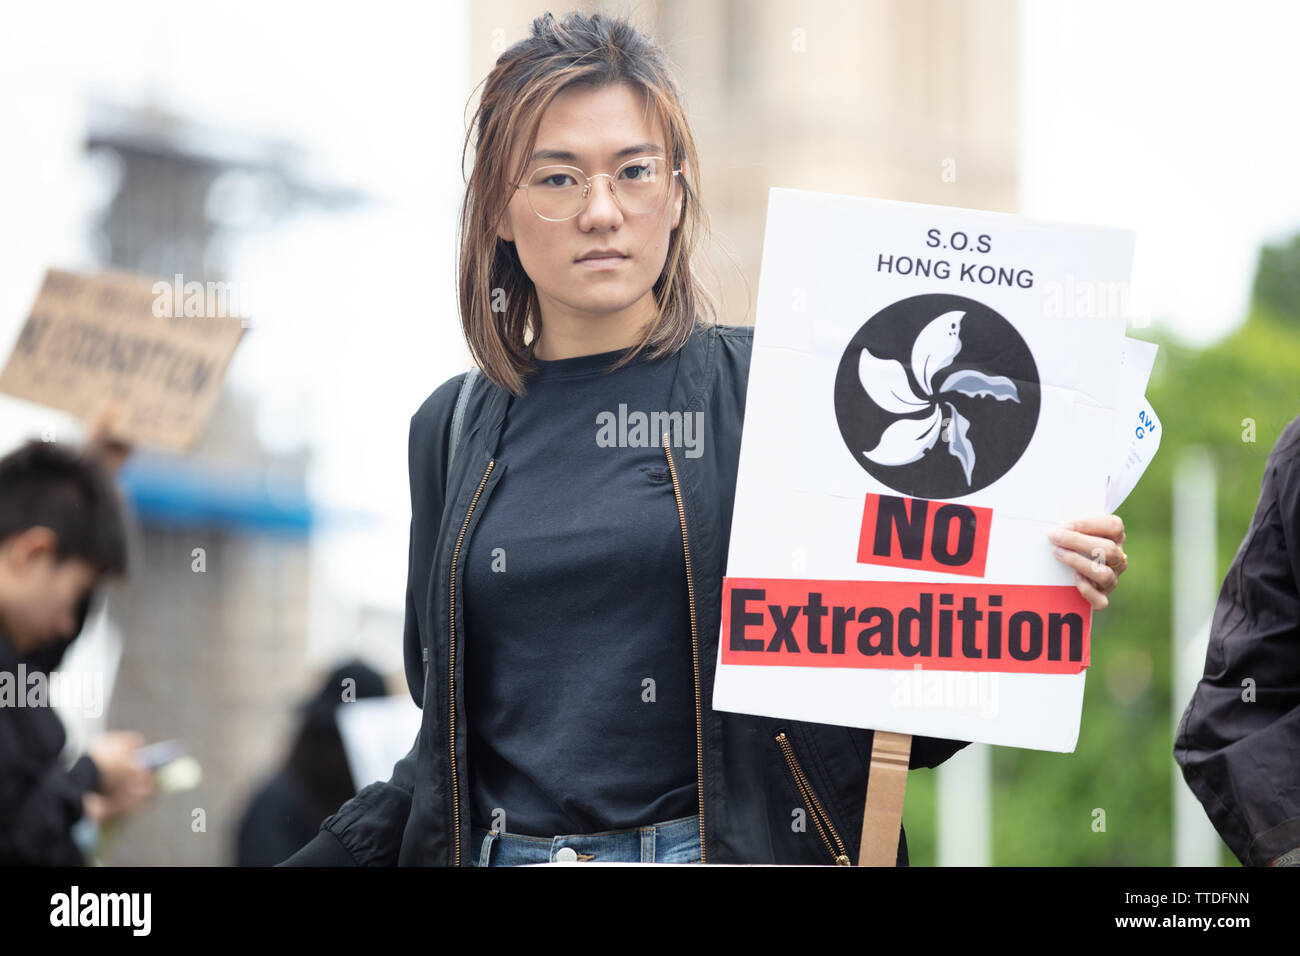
(815, 809)
(451, 625)
(695, 649)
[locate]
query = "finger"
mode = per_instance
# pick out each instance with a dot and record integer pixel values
(1090, 593)
(1122, 566)
(1101, 577)
(1109, 557)
(94, 806)
(1103, 551)
(1087, 544)
(1106, 526)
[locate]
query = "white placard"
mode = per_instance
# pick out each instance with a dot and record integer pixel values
(377, 732)
(932, 390)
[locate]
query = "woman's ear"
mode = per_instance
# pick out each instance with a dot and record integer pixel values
(504, 231)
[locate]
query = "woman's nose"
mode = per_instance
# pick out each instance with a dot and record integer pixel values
(601, 203)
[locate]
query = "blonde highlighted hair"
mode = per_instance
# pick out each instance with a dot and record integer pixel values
(498, 302)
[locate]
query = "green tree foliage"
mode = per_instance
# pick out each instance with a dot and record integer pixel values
(1277, 280)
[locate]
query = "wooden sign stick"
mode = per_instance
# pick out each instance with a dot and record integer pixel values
(882, 817)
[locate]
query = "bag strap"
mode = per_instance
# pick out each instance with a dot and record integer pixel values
(458, 416)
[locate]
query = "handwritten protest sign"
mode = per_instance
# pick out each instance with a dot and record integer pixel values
(94, 341)
(932, 390)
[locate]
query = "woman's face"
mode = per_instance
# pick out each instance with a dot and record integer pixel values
(595, 126)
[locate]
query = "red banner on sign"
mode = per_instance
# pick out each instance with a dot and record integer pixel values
(1031, 629)
(929, 535)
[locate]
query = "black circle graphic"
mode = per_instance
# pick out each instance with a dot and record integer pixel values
(986, 418)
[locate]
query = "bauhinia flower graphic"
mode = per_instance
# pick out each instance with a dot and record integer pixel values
(885, 380)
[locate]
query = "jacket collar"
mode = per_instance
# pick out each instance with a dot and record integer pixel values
(694, 375)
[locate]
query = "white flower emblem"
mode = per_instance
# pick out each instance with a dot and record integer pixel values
(885, 380)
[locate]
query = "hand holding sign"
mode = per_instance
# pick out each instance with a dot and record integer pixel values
(1094, 548)
(100, 443)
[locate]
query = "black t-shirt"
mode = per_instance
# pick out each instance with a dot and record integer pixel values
(580, 688)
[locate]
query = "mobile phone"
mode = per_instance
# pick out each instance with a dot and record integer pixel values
(153, 756)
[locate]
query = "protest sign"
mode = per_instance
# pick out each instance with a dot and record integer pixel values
(92, 342)
(932, 390)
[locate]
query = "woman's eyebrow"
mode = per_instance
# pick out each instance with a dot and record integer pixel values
(564, 154)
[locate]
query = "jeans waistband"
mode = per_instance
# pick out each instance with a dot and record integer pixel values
(671, 841)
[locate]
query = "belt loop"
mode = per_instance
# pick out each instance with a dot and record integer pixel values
(485, 854)
(648, 844)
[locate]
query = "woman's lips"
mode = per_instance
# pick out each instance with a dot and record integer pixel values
(603, 262)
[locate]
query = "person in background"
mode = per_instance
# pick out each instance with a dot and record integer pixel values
(287, 811)
(1239, 739)
(110, 452)
(62, 531)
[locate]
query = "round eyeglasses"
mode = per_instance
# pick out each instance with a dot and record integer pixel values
(639, 186)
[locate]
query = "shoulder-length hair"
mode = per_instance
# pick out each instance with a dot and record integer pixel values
(499, 309)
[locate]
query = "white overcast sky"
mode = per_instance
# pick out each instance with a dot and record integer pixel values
(1176, 119)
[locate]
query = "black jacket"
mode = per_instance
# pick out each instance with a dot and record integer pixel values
(40, 799)
(1239, 740)
(753, 771)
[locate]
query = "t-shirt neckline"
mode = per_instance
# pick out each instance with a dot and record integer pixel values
(578, 366)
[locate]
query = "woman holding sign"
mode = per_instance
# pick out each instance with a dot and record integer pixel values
(566, 555)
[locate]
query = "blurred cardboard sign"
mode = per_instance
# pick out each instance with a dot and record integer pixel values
(111, 339)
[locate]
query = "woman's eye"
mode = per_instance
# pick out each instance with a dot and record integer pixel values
(550, 180)
(636, 172)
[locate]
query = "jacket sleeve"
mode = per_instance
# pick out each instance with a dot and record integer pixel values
(932, 751)
(367, 830)
(1238, 742)
(39, 805)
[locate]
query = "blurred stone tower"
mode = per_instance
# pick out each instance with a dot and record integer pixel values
(214, 616)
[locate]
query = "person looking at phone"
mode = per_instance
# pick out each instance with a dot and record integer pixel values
(62, 532)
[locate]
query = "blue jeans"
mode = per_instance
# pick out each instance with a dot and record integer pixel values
(674, 841)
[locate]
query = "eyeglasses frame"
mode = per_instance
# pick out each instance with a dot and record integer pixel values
(586, 186)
